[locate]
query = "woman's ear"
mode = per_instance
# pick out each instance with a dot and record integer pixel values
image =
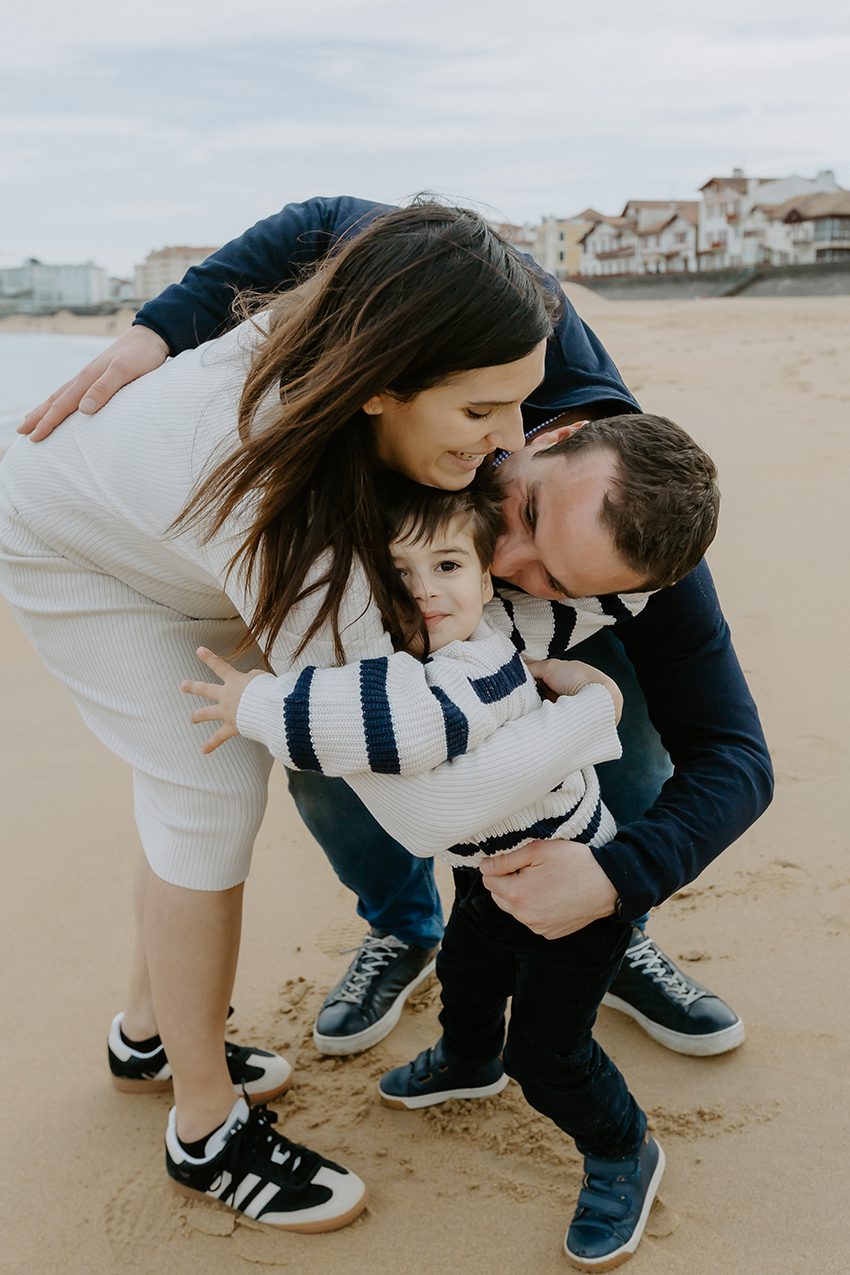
(374, 406)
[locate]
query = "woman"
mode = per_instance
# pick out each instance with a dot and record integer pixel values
(225, 501)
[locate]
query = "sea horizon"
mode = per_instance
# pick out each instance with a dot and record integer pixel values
(32, 366)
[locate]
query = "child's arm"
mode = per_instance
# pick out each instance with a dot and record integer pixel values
(543, 629)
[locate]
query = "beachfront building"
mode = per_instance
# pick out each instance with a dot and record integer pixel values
(651, 236)
(608, 247)
(164, 267)
(37, 287)
(734, 215)
(558, 242)
(807, 229)
(669, 243)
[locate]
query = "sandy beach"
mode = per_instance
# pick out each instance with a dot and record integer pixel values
(757, 1141)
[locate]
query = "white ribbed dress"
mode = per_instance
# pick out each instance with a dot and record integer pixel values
(116, 609)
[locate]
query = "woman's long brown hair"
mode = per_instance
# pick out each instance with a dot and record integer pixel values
(420, 294)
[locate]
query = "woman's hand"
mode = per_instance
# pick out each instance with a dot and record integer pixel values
(568, 677)
(225, 697)
(136, 351)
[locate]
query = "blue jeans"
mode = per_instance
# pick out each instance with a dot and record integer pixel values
(396, 892)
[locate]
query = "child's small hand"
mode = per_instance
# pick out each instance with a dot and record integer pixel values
(225, 697)
(568, 677)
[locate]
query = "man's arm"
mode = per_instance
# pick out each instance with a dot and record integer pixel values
(701, 706)
(268, 257)
(271, 255)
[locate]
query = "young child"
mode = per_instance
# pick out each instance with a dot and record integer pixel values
(458, 675)
(442, 544)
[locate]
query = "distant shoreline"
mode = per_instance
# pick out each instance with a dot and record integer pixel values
(64, 323)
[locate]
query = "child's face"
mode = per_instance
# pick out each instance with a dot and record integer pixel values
(447, 580)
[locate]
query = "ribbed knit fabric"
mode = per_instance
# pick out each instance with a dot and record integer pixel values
(378, 715)
(117, 608)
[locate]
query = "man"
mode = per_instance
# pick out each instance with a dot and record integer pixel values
(675, 663)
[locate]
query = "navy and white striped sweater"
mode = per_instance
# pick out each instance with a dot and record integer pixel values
(395, 715)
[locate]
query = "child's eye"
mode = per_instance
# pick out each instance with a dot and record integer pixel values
(448, 566)
(479, 416)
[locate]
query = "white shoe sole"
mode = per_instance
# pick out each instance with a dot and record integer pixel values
(303, 1228)
(705, 1046)
(433, 1099)
(620, 1255)
(338, 1045)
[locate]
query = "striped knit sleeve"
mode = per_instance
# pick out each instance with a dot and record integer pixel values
(392, 715)
(543, 629)
(516, 766)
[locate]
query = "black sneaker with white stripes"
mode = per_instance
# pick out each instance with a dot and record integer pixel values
(670, 1006)
(261, 1074)
(251, 1169)
(367, 1002)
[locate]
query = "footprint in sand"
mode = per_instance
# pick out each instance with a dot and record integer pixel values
(142, 1215)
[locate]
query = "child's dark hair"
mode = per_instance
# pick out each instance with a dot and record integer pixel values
(416, 513)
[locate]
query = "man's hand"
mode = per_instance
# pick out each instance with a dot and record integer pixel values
(553, 887)
(136, 351)
(568, 677)
(225, 697)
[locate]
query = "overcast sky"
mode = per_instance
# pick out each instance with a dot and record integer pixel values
(124, 127)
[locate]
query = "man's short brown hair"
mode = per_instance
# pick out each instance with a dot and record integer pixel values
(662, 509)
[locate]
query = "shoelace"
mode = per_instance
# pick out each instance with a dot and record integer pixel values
(373, 955)
(649, 960)
(259, 1139)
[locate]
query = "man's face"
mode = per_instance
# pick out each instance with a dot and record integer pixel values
(555, 544)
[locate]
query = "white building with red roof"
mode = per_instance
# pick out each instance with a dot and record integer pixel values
(729, 235)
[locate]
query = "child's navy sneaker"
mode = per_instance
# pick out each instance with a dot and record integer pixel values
(431, 1079)
(613, 1207)
(261, 1074)
(251, 1169)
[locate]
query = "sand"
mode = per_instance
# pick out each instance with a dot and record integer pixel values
(757, 1141)
(64, 323)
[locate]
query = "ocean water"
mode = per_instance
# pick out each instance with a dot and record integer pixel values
(33, 365)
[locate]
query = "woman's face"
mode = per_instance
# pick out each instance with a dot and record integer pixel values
(441, 436)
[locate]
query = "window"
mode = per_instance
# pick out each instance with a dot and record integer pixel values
(829, 228)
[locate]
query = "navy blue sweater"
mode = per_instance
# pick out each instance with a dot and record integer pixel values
(680, 644)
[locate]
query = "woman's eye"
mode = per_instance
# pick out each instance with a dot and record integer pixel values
(478, 416)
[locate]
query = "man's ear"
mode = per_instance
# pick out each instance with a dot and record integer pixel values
(556, 435)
